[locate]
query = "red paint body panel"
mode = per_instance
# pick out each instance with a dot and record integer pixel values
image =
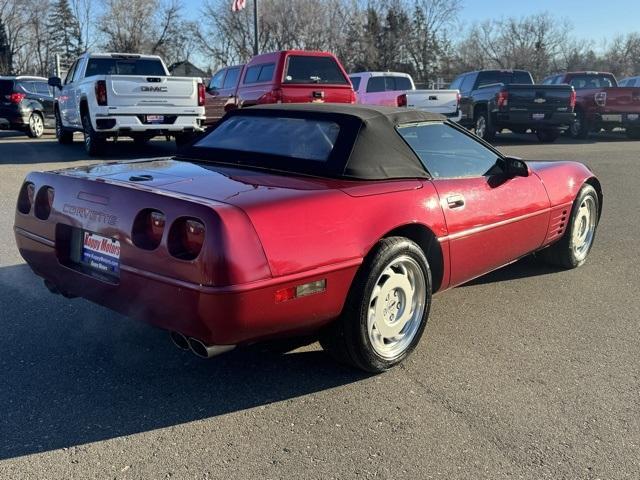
(265, 232)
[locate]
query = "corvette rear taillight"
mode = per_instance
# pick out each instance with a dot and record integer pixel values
(148, 228)
(101, 92)
(186, 238)
(401, 101)
(16, 97)
(44, 202)
(26, 197)
(502, 99)
(572, 99)
(201, 97)
(600, 98)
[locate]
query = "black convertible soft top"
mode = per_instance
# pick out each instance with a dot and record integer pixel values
(368, 146)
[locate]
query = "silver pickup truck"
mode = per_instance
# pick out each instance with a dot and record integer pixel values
(107, 95)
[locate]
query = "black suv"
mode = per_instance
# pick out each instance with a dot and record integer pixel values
(26, 104)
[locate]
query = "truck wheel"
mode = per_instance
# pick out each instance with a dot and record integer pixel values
(547, 135)
(633, 133)
(386, 310)
(35, 128)
(579, 129)
(93, 144)
(64, 136)
(572, 249)
(483, 127)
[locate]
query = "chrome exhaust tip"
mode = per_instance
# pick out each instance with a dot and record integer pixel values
(179, 340)
(207, 351)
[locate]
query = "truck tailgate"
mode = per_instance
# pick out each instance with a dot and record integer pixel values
(622, 99)
(435, 101)
(318, 93)
(539, 98)
(135, 91)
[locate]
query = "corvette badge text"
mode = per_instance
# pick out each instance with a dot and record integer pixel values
(89, 214)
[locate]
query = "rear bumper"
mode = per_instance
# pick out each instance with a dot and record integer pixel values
(559, 120)
(12, 119)
(215, 315)
(618, 119)
(124, 124)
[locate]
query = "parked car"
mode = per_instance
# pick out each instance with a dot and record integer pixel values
(601, 103)
(394, 89)
(629, 82)
(294, 76)
(26, 104)
(221, 93)
(493, 100)
(285, 220)
(106, 95)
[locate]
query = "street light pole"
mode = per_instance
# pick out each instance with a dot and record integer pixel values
(255, 27)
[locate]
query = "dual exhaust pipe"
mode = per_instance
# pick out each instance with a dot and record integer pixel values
(198, 347)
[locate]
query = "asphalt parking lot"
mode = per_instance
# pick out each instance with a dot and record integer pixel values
(528, 372)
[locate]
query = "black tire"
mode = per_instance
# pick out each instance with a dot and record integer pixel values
(347, 339)
(547, 135)
(93, 143)
(562, 253)
(633, 133)
(487, 132)
(35, 127)
(580, 128)
(64, 136)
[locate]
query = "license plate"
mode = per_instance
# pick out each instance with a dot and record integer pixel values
(155, 118)
(612, 118)
(632, 117)
(538, 116)
(100, 253)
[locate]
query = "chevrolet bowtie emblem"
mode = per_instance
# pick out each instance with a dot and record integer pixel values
(540, 100)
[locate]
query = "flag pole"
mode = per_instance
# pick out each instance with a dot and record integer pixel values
(255, 27)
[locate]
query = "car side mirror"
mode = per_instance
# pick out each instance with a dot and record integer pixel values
(514, 167)
(55, 82)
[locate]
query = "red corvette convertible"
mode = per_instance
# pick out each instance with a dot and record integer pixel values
(299, 219)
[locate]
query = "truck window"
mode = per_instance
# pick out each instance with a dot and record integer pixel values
(216, 81)
(311, 69)
(505, 77)
(467, 83)
(254, 74)
(403, 83)
(355, 81)
(376, 84)
(447, 152)
(125, 66)
(69, 78)
(581, 82)
(231, 80)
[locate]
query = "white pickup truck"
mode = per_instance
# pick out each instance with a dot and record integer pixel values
(108, 95)
(398, 90)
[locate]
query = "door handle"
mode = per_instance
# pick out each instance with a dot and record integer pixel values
(455, 201)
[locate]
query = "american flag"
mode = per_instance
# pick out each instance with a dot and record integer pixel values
(238, 5)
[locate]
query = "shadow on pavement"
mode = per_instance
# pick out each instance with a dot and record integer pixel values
(74, 373)
(507, 139)
(19, 149)
(526, 267)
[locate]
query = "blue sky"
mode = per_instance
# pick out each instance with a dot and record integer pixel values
(595, 20)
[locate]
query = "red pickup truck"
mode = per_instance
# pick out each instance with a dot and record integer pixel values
(601, 103)
(289, 76)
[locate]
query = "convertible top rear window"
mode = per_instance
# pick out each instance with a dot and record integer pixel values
(309, 139)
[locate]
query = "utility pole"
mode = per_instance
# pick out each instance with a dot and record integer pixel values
(255, 27)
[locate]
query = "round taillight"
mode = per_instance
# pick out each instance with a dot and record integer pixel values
(186, 238)
(148, 228)
(44, 202)
(26, 197)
